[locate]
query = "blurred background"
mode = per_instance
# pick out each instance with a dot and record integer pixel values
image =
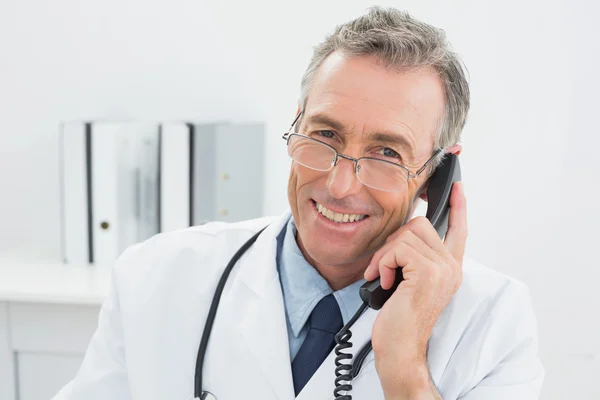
(530, 159)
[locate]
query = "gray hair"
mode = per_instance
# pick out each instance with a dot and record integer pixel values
(400, 41)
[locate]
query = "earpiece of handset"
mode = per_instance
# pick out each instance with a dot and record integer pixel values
(374, 295)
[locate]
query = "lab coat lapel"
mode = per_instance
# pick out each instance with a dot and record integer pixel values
(322, 383)
(263, 327)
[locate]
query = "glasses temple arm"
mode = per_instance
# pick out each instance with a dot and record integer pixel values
(428, 162)
(285, 135)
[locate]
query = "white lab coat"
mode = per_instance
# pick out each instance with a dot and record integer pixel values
(484, 345)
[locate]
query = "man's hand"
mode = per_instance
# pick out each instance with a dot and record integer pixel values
(432, 272)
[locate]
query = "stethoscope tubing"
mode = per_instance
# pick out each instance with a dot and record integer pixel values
(198, 393)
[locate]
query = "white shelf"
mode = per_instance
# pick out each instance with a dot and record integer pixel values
(23, 279)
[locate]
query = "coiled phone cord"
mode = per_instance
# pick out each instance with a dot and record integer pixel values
(344, 370)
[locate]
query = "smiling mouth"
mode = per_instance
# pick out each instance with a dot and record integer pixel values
(338, 217)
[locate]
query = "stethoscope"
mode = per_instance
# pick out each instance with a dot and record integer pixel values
(345, 372)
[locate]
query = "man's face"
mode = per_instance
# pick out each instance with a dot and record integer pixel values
(352, 99)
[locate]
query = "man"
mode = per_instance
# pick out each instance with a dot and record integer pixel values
(385, 87)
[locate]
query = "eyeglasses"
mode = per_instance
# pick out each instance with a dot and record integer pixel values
(372, 172)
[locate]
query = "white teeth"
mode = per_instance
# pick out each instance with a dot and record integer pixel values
(337, 217)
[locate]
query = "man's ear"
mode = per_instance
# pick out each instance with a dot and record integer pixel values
(421, 193)
(456, 149)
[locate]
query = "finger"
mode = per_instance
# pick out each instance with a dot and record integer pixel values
(399, 256)
(408, 237)
(372, 270)
(387, 277)
(423, 229)
(456, 237)
(411, 226)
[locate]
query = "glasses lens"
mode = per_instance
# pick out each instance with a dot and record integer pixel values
(310, 153)
(382, 175)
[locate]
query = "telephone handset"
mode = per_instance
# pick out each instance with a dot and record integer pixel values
(438, 209)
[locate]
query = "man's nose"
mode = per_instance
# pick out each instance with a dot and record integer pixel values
(342, 180)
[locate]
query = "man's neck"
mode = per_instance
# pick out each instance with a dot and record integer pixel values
(337, 277)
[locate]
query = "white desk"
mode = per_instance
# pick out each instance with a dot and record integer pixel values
(48, 313)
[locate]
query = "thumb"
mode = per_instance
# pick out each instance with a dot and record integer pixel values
(456, 237)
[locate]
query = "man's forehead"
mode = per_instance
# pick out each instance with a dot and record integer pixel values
(361, 91)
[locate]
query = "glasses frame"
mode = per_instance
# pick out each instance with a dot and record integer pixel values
(286, 136)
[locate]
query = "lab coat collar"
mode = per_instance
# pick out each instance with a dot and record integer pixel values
(263, 328)
(260, 269)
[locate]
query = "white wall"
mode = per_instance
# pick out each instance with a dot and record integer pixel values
(530, 144)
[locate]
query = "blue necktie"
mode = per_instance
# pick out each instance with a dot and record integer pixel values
(324, 322)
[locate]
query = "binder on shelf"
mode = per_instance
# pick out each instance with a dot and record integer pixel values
(116, 164)
(74, 149)
(175, 210)
(147, 184)
(205, 177)
(227, 172)
(105, 192)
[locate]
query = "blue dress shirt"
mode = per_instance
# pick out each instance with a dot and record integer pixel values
(303, 287)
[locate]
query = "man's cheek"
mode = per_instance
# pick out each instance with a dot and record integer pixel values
(300, 177)
(395, 211)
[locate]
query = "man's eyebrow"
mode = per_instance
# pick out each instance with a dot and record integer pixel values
(323, 119)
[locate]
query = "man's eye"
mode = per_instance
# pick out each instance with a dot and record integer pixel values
(389, 153)
(325, 134)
